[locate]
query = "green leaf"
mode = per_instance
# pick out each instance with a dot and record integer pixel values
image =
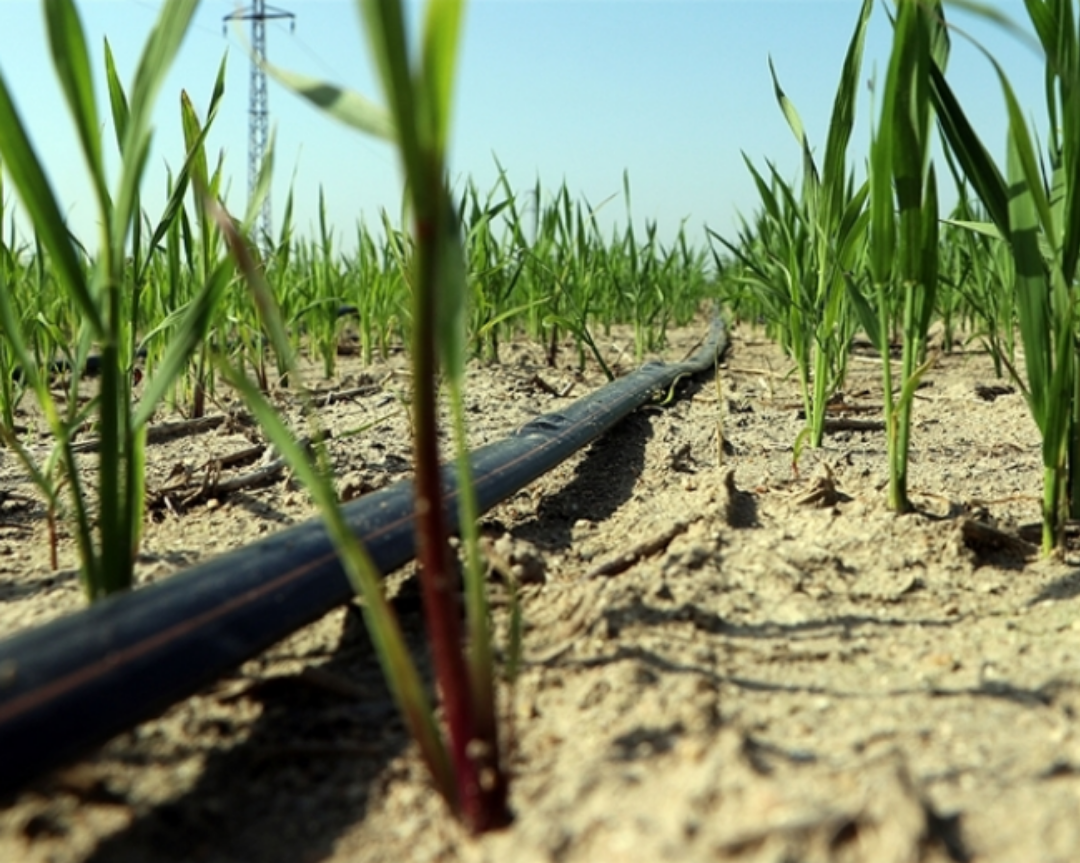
(768, 199)
(842, 119)
(450, 310)
(987, 229)
(400, 672)
(348, 107)
(1024, 153)
(974, 158)
(117, 97)
(851, 231)
(441, 32)
(157, 57)
(929, 263)
(868, 317)
(195, 155)
(11, 328)
(262, 188)
(385, 28)
(72, 65)
(882, 216)
(38, 200)
(992, 12)
(184, 341)
(195, 164)
(810, 170)
(1033, 303)
(911, 146)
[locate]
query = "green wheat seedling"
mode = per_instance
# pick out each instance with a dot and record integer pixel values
(758, 272)
(821, 234)
(417, 84)
(977, 266)
(904, 224)
(545, 270)
(12, 276)
(106, 292)
(493, 267)
(567, 277)
(1037, 212)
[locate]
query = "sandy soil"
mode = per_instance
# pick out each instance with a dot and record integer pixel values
(727, 658)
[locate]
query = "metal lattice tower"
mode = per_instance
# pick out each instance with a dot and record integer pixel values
(258, 13)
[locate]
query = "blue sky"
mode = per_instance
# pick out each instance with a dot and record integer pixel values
(671, 91)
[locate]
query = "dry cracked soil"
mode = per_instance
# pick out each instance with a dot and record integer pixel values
(727, 657)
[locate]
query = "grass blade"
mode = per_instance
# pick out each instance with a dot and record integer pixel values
(72, 65)
(40, 204)
(348, 107)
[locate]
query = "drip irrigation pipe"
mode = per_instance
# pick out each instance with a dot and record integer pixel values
(72, 684)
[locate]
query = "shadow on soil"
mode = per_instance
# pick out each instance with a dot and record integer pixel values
(1066, 587)
(639, 612)
(16, 586)
(604, 480)
(306, 773)
(261, 510)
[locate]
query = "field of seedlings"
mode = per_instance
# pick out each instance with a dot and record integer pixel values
(809, 600)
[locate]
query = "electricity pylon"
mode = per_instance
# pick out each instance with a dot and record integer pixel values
(258, 13)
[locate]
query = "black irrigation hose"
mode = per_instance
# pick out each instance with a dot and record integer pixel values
(72, 684)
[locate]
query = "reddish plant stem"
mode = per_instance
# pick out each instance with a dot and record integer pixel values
(438, 578)
(494, 784)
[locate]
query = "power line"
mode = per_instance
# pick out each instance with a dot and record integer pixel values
(317, 58)
(333, 74)
(258, 13)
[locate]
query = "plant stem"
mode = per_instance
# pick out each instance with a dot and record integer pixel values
(438, 580)
(892, 435)
(493, 780)
(1051, 507)
(820, 398)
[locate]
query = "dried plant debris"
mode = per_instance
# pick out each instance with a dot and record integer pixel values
(823, 492)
